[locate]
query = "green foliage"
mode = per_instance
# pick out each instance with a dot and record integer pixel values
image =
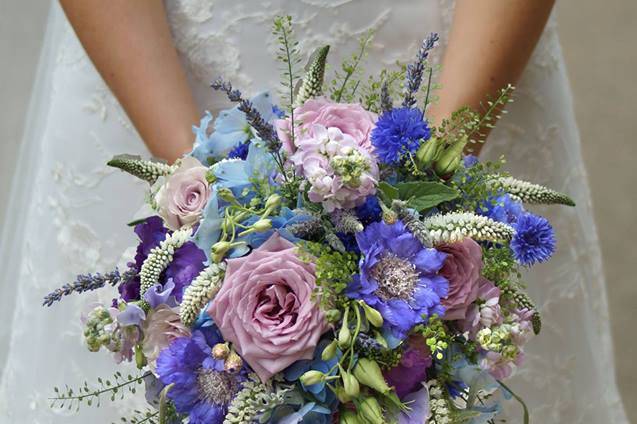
(419, 195)
(334, 271)
(477, 184)
(436, 336)
(347, 80)
(114, 388)
(148, 416)
(289, 56)
(371, 88)
(469, 123)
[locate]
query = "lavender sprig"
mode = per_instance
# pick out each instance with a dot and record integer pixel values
(386, 103)
(264, 129)
(415, 70)
(87, 282)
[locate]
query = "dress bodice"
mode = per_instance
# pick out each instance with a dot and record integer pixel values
(234, 39)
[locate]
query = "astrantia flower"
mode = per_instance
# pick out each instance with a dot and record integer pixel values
(202, 389)
(341, 174)
(397, 132)
(398, 276)
(534, 239)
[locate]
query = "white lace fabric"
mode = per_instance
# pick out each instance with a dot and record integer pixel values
(68, 210)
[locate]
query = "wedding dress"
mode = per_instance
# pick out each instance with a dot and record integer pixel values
(67, 209)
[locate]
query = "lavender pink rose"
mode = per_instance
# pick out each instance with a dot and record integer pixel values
(462, 269)
(184, 195)
(351, 119)
(265, 307)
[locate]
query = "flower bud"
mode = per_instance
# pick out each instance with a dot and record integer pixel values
(341, 395)
(370, 411)
(451, 158)
(274, 201)
(349, 417)
(350, 384)
(312, 377)
(344, 336)
(429, 152)
(226, 194)
(140, 359)
(262, 225)
(373, 316)
(221, 248)
(233, 363)
(330, 351)
(220, 351)
(368, 372)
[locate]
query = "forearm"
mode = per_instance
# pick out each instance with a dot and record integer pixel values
(131, 46)
(490, 43)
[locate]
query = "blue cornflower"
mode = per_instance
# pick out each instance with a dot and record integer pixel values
(502, 209)
(534, 239)
(398, 277)
(369, 211)
(202, 389)
(397, 132)
(470, 161)
(240, 151)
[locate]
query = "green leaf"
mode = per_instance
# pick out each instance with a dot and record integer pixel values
(425, 195)
(387, 192)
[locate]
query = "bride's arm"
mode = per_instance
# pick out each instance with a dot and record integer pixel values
(129, 42)
(489, 45)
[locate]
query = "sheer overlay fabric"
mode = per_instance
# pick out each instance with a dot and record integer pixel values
(67, 209)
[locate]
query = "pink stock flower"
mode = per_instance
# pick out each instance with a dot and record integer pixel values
(265, 307)
(340, 173)
(462, 269)
(485, 312)
(184, 195)
(350, 118)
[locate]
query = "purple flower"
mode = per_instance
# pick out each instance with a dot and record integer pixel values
(202, 389)
(398, 276)
(534, 239)
(408, 376)
(188, 260)
(399, 131)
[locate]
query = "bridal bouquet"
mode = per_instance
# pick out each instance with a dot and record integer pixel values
(332, 258)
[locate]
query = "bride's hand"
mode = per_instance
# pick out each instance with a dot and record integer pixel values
(131, 46)
(489, 45)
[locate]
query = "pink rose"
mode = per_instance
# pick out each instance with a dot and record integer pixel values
(351, 119)
(462, 269)
(265, 307)
(161, 327)
(184, 195)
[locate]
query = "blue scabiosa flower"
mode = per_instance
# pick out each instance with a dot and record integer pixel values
(202, 389)
(470, 161)
(397, 132)
(534, 239)
(398, 277)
